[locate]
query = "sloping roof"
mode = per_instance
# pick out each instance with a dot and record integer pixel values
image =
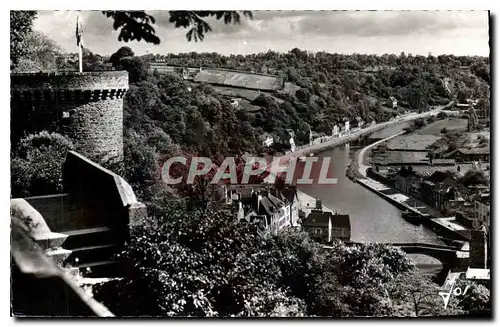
(412, 142)
(341, 221)
(443, 162)
(399, 157)
(239, 79)
(278, 203)
(317, 219)
(484, 150)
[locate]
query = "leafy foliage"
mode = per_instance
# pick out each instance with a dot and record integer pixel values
(21, 26)
(205, 263)
(36, 164)
(137, 25)
(476, 301)
(40, 53)
(474, 177)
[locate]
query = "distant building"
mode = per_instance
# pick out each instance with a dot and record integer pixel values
(267, 139)
(275, 211)
(325, 227)
(392, 102)
(292, 144)
(473, 154)
(346, 127)
(335, 131)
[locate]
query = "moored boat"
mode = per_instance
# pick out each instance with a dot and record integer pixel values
(412, 217)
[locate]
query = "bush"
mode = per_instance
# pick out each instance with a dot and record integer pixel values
(419, 123)
(37, 162)
(474, 177)
(442, 115)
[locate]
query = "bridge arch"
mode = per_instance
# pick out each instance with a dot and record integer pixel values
(445, 254)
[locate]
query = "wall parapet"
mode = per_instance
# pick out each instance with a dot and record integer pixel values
(102, 80)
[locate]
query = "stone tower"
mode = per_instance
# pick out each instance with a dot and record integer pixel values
(478, 248)
(473, 120)
(86, 107)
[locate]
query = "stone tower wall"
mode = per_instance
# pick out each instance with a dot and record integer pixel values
(87, 107)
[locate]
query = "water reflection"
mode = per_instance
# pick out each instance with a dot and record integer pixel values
(373, 219)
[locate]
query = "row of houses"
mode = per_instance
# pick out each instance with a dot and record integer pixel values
(275, 211)
(440, 183)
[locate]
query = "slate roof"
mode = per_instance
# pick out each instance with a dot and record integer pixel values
(318, 218)
(483, 150)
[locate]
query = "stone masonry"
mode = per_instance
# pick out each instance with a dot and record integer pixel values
(87, 107)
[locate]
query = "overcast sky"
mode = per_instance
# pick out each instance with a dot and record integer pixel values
(378, 32)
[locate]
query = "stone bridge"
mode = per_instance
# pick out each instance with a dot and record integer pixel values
(444, 253)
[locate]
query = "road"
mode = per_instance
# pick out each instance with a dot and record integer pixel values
(316, 148)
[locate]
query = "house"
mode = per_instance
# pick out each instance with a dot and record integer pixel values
(267, 139)
(462, 106)
(275, 211)
(473, 154)
(335, 131)
(392, 102)
(442, 191)
(325, 227)
(407, 181)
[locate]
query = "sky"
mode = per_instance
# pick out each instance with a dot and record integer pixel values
(370, 32)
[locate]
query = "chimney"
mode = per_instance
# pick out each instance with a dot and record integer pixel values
(319, 205)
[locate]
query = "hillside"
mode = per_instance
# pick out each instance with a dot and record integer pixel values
(167, 113)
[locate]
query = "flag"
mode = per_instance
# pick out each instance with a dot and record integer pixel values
(79, 32)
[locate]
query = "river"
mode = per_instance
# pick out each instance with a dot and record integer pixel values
(373, 219)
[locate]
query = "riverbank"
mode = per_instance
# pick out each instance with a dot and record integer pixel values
(428, 215)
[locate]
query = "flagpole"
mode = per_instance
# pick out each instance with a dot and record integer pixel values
(80, 58)
(79, 42)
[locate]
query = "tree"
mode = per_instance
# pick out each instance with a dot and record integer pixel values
(21, 25)
(119, 54)
(199, 263)
(418, 296)
(92, 62)
(419, 123)
(40, 53)
(476, 301)
(442, 115)
(474, 177)
(36, 164)
(137, 68)
(137, 25)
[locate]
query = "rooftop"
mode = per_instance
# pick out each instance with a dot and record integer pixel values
(400, 157)
(239, 79)
(412, 142)
(477, 273)
(482, 150)
(318, 218)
